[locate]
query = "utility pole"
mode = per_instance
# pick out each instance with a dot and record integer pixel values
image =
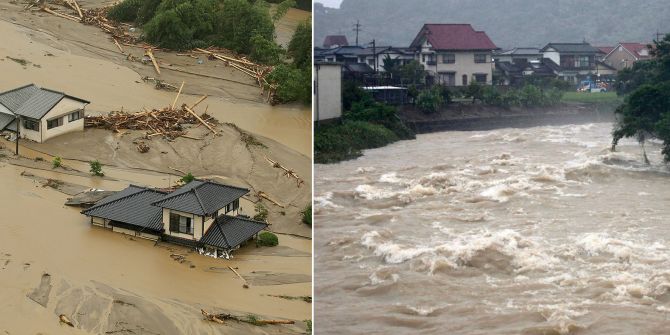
(18, 132)
(357, 29)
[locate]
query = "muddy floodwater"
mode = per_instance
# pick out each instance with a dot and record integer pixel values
(514, 231)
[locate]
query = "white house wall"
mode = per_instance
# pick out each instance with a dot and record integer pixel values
(327, 93)
(553, 55)
(62, 110)
(464, 65)
(196, 221)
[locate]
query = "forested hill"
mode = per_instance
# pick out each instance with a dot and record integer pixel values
(509, 23)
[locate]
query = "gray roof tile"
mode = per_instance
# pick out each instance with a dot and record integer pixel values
(201, 197)
(131, 206)
(32, 101)
(230, 231)
(5, 120)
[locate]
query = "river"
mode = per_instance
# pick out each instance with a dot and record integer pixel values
(540, 230)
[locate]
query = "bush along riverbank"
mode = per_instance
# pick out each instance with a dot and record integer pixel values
(241, 26)
(368, 124)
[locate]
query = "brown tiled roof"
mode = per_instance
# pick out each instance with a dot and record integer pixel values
(605, 50)
(635, 48)
(454, 37)
(332, 40)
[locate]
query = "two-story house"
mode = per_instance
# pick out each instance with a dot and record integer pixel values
(576, 61)
(624, 55)
(200, 214)
(454, 54)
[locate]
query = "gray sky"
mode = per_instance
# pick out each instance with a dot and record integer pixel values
(330, 3)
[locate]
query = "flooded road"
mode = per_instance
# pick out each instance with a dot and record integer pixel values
(513, 231)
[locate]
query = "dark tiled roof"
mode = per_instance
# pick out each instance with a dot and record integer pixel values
(131, 206)
(358, 68)
(331, 40)
(32, 101)
(521, 52)
(453, 37)
(6, 120)
(201, 197)
(571, 48)
(230, 231)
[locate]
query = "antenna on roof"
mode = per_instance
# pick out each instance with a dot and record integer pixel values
(357, 29)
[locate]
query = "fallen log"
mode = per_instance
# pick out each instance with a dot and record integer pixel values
(264, 195)
(287, 172)
(149, 53)
(251, 319)
(211, 317)
(199, 101)
(117, 44)
(246, 285)
(180, 171)
(199, 119)
(64, 319)
(76, 5)
(177, 97)
(65, 16)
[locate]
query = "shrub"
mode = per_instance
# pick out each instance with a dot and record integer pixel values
(294, 84)
(125, 11)
(261, 212)
(267, 239)
(167, 30)
(334, 143)
(56, 162)
(265, 51)
(307, 215)
(187, 178)
(300, 47)
(430, 100)
(96, 168)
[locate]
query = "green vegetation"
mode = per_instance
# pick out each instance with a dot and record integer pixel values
(595, 97)
(527, 96)
(430, 100)
(96, 168)
(309, 326)
(187, 178)
(645, 112)
(261, 212)
(56, 162)
(243, 26)
(307, 215)
(366, 125)
(267, 239)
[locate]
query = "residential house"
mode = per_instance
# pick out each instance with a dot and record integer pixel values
(603, 52)
(41, 113)
(455, 54)
(518, 55)
(200, 214)
(624, 55)
(332, 41)
(516, 73)
(327, 91)
(574, 62)
(340, 54)
(401, 56)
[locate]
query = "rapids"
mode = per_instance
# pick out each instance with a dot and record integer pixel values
(514, 231)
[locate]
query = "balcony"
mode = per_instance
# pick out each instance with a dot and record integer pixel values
(431, 62)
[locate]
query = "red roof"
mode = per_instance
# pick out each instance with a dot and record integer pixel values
(635, 48)
(605, 50)
(335, 40)
(453, 37)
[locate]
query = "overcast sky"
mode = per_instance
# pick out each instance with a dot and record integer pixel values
(330, 3)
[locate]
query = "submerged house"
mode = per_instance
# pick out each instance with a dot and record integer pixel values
(200, 214)
(41, 113)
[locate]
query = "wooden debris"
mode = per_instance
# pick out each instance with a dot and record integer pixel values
(219, 318)
(117, 44)
(211, 317)
(65, 16)
(177, 97)
(287, 172)
(143, 147)
(246, 285)
(150, 53)
(64, 319)
(180, 171)
(199, 101)
(265, 196)
(199, 119)
(76, 5)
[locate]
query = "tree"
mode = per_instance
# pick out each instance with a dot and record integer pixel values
(187, 178)
(96, 168)
(265, 51)
(293, 84)
(282, 9)
(412, 73)
(390, 65)
(645, 113)
(300, 47)
(430, 100)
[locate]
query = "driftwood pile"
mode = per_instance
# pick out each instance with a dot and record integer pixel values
(120, 36)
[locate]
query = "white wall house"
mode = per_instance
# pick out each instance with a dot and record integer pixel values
(455, 54)
(327, 91)
(43, 113)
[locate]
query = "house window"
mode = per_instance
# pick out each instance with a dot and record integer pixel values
(480, 58)
(330, 59)
(76, 115)
(371, 62)
(480, 78)
(233, 206)
(53, 123)
(181, 224)
(448, 59)
(31, 124)
(582, 61)
(448, 78)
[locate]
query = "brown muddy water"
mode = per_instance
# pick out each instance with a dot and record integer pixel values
(513, 231)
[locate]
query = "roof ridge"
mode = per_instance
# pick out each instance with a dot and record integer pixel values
(221, 231)
(242, 218)
(197, 197)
